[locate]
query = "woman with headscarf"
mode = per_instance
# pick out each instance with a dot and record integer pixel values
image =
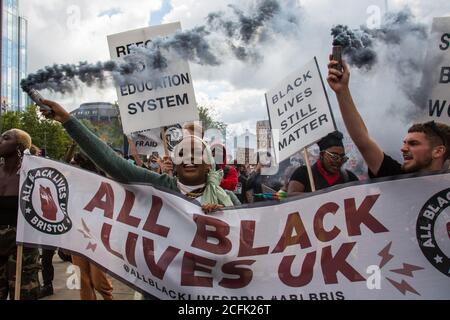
(13, 143)
(197, 177)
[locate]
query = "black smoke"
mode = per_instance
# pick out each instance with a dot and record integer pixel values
(359, 45)
(239, 32)
(402, 43)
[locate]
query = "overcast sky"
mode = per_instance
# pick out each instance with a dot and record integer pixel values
(68, 31)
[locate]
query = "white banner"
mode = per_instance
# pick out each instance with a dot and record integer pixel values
(152, 102)
(299, 111)
(437, 72)
(385, 240)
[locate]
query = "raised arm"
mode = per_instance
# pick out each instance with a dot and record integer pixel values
(100, 153)
(370, 150)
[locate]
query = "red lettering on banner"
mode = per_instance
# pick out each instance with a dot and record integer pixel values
(331, 265)
(151, 225)
(124, 214)
(105, 235)
(245, 274)
(246, 240)
(222, 229)
(107, 205)
(355, 217)
(192, 263)
(319, 230)
(130, 248)
(294, 222)
(158, 269)
(306, 272)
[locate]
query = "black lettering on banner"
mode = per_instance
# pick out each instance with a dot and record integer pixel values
(301, 127)
(437, 107)
(165, 82)
(299, 81)
(445, 75)
(445, 42)
(158, 103)
(126, 49)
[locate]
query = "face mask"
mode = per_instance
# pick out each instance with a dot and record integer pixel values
(154, 165)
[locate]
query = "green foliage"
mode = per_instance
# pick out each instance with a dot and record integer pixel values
(109, 132)
(44, 133)
(208, 121)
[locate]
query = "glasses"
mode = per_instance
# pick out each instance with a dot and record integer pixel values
(337, 157)
(433, 127)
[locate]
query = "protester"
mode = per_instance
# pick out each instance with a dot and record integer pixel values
(48, 272)
(35, 150)
(258, 183)
(286, 176)
(230, 175)
(161, 166)
(327, 171)
(92, 278)
(197, 179)
(153, 163)
(425, 147)
(241, 187)
(13, 143)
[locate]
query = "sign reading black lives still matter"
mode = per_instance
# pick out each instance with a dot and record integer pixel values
(299, 111)
(153, 98)
(436, 77)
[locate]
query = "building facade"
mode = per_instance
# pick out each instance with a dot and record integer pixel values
(96, 112)
(13, 61)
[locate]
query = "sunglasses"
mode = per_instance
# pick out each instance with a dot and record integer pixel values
(337, 157)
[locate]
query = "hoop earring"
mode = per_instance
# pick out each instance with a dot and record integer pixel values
(20, 155)
(19, 164)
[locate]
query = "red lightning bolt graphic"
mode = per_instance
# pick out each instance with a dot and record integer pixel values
(85, 231)
(91, 246)
(385, 255)
(403, 287)
(85, 227)
(407, 270)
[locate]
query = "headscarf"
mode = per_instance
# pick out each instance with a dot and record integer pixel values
(333, 139)
(213, 193)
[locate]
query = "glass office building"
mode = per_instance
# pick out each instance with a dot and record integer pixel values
(14, 56)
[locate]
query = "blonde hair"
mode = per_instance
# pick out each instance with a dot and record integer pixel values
(23, 139)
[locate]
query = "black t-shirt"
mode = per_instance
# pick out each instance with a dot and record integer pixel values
(241, 188)
(389, 167)
(301, 175)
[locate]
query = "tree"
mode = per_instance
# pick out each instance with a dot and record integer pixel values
(110, 132)
(208, 121)
(46, 134)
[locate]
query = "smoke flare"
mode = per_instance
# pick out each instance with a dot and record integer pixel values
(239, 33)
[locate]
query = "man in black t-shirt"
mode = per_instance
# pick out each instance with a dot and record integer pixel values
(425, 148)
(327, 171)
